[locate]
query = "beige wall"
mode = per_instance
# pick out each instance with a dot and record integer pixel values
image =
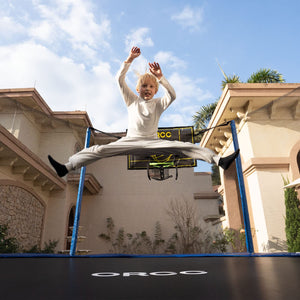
(136, 204)
(272, 141)
(273, 138)
(133, 201)
(267, 121)
(269, 142)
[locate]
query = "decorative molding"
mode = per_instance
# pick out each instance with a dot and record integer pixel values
(91, 184)
(296, 110)
(240, 101)
(212, 218)
(263, 163)
(205, 196)
(21, 160)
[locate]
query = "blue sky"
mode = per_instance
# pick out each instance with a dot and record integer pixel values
(70, 50)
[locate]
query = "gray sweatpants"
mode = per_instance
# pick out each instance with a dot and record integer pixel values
(128, 145)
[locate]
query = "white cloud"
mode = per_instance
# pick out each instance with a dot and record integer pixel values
(58, 53)
(43, 31)
(167, 58)
(9, 28)
(139, 37)
(173, 120)
(73, 22)
(64, 84)
(190, 18)
(139, 66)
(189, 97)
(189, 90)
(65, 26)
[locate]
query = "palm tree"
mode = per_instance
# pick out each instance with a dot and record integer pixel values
(267, 76)
(203, 116)
(230, 79)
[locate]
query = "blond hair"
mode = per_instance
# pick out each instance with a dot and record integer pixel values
(147, 77)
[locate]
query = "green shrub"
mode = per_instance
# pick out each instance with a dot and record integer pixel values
(140, 243)
(292, 220)
(48, 248)
(11, 244)
(7, 244)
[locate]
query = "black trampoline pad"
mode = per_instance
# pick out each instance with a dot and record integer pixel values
(139, 278)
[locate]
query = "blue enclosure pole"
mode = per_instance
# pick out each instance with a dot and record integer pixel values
(79, 198)
(249, 241)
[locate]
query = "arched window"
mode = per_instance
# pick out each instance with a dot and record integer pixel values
(298, 161)
(70, 226)
(295, 160)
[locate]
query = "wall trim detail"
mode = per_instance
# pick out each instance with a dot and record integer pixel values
(266, 163)
(205, 196)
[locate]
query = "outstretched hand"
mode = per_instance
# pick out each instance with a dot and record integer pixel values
(134, 53)
(156, 70)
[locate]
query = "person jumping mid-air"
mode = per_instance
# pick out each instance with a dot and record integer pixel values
(144, 112)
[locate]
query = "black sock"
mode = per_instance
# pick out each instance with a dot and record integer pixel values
(60, 169)
(225, 162)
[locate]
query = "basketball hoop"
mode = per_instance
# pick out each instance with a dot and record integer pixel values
(160, 170)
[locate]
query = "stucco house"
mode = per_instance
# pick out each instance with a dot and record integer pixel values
(38, 206)
(267, 118)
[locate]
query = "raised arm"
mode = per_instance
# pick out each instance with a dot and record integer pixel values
(133, 54)
(156, 70)
(170, 94)
(128, 95)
